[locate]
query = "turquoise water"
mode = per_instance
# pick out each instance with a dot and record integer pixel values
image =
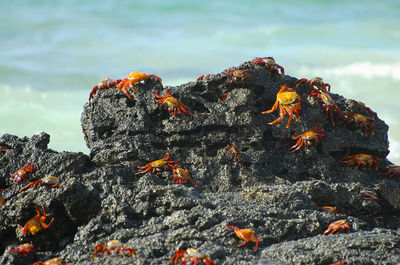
(53, 52)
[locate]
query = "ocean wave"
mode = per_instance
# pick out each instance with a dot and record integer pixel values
(366, 70)
(394, 155)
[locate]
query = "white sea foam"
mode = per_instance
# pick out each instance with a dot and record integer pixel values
(366, 70)
(394, 155)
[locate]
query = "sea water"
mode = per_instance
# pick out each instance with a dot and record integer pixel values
(53, 52)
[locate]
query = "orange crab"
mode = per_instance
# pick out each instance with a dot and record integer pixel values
(338, 226)
(316, 81)
(393, 171)
(329, 209)
(36, 223)
(173, 104)
(360, 120)
(247, 235)
(338, 263)
(105, 83)
(361, 159)
(3, 148)
(132, 79)
(54, 261)
(234, 150)
(289, 103)
(369, 195)
(113, 245)
(191, 254)
(305, 138)
(158, 165)
(23, 250)
(21, 173)
(328, 105)
(202, 77)
(181, 176)
(48, 180)
(238, 75)
(270, 64)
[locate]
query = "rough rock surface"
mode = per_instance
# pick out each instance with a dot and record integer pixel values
(275, 192)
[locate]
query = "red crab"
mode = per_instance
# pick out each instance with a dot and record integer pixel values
(360, 120)
(35, 224)
(238, 75)
(338, 226)
(23, 250)
(182, 176)
(54, 261)
(105, 83)
(48, 180)
(270, 64)
(338, 263)
(173, 104)
(234, 150)
(329, 209)
(247, 235)
(327, 103)
(361, 159)
(191, 254)
(369, 195)
(113, 245)
(132, 79)
(21, 173)
(289, 103)
(316, 81)
(3, 148)
(305, 138)
(203, 77)
(158, 165)
(393, 171)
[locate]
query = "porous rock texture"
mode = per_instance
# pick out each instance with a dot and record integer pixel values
(275, 192)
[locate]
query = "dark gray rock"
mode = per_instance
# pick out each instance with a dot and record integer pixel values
(275, 192)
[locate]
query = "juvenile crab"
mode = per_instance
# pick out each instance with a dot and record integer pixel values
(48, 180)
(315, 82)
(21, 173)
(338, 226)
(113, 245)
(247, 235)
(238, 75)
(192, 255)
(105, 83)
(234, 150)
(329, 209)
(173, 104)
(23, 250)
(307, 137)
(158, 165)
(289, 103)
(202, 77)
(3, 148)
(181, 176)
(132, 79)
(36, 223)
(328, 104)
(360, 120)
(369, 195)
(361, 159)
(270, 64)
(53, 261)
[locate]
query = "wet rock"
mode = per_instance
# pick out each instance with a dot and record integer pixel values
(270, 189)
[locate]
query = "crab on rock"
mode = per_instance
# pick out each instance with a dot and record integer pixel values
(361, 159)
(247, 235)
(23, 250)
(316, 81)
(158, 165)
(48, 180)
(328, 104)
(105, 83)
(392, 171)
(36, 223)
(305, 138)
(173, 104)
(21, 173)
(338, 226)
(132, 79)
(53, 261)
(360, 120)
(191, 254)
(238, 75)
(234, 150)
(270, 64)
(369, 195)
(289, 103)
(181, 176)
(113, 245)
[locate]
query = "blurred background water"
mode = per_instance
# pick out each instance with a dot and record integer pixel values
(53, 52)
